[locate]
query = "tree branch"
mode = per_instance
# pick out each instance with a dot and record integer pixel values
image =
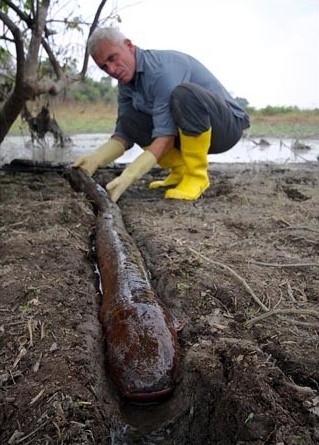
(281, 312)
(26, 18)
(36, 38)
(94, 25)
(56, 66)
(19, 48)
(235, 274)
(259, 263)
(27, 85)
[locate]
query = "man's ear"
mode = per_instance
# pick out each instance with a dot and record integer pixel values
(129, 43)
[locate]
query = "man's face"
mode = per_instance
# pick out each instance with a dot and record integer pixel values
(116, 59)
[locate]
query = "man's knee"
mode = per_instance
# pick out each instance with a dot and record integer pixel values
(189, 109)
(138, 128)
(180, 96)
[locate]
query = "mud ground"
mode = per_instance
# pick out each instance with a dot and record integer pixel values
(239, 267)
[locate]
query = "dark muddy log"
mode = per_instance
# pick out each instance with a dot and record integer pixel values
(38, 167)
(141, 340)
(29, 166)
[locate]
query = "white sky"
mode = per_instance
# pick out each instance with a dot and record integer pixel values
(264, 50)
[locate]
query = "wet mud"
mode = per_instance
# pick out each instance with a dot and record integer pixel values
(239, 267)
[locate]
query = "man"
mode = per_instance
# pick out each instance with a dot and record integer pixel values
(172, 107)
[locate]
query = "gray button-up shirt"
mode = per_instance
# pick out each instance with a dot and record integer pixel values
(158, 72)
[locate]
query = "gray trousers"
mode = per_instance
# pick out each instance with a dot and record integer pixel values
(194, 111)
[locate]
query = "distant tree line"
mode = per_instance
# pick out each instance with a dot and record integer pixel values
(270, 110)
(275, 110)
(89, 90)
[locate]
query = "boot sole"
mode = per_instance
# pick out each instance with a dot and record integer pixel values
(177, 194)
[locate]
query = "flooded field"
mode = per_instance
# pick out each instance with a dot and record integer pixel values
(269, 150)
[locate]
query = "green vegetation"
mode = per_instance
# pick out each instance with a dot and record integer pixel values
(90, 107)
(77, 112)
(85, 117)
(75, 117)
(284, 122)
(90, 90)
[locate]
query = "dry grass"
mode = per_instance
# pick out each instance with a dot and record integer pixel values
(100, 117)
(75, 117)
(85, 117)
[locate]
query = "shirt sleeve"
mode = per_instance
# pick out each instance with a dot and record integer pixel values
(124, 103)
(172, 74)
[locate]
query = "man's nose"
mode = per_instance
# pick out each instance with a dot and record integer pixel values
(111, 68)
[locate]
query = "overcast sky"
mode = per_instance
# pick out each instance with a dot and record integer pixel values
(264, 50)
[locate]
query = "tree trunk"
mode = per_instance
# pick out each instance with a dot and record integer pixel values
(27, 84)
(9, 112)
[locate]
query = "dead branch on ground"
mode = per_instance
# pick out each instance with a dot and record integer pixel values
(234, 274)
(309, 312)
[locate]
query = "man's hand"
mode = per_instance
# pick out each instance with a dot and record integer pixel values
(139, 167)
(109, 151)
(89, 163)
(118, 186)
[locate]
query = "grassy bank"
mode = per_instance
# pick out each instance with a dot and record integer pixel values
(99, 118)
(295, 124)
(77, 117)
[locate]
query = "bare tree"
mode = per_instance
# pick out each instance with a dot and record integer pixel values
(32, 21)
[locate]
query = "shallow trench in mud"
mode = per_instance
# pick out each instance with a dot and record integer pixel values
(234, 386)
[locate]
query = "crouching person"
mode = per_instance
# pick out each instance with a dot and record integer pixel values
(170, 105)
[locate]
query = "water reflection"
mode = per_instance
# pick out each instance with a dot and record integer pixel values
(270, 150)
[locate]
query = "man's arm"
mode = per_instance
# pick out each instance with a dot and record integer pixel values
(161, 145)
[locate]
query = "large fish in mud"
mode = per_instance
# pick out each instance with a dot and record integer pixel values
(141, 339)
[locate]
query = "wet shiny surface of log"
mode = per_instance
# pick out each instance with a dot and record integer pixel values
(141, 340)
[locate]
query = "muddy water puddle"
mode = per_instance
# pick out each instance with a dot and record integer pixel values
(251, 150)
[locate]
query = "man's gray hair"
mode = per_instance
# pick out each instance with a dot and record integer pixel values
(111, 34)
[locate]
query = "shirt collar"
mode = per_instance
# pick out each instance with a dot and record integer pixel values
(139, 60)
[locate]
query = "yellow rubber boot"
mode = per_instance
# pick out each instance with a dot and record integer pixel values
(173, 160)
(195, 181)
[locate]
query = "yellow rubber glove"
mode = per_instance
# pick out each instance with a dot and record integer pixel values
(139, 167)
(109, 151)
